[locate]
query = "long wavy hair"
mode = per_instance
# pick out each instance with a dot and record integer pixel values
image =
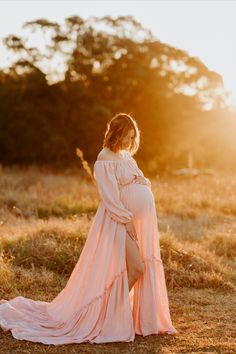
(117, 129)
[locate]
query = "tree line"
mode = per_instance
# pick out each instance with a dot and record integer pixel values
(111, 65)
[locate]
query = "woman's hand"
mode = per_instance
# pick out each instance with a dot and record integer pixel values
(143, 180)
(131, 230)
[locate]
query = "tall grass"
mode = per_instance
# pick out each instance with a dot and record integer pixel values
(45, 232)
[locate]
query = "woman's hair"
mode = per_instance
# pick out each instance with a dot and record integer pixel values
(117, 128)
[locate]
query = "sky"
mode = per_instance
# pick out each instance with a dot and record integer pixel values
(205, 29)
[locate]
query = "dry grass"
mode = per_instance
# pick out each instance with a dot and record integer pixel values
(42, 237)
(188, 197)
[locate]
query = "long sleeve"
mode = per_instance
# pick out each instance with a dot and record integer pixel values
(104, 173)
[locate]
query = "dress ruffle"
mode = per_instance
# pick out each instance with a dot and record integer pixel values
(96, 322)
(151, 301)
(95, 305)
(102, 317)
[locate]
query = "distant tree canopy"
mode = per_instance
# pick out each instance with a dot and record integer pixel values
(112, 65)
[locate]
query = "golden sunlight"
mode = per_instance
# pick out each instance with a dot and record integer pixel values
(232, 92)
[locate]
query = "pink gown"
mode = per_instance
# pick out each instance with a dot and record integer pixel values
(95, 305)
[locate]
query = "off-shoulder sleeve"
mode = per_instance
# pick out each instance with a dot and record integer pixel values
(104, 173)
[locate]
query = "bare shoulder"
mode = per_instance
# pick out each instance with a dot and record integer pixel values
(106, 155)
(103, 155)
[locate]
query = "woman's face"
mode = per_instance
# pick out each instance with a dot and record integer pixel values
(128, 139)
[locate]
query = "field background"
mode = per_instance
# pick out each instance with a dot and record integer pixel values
(44, 220)
(67, 71)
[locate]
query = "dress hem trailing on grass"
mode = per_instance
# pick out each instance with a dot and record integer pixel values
(96, 305)
(65, 336)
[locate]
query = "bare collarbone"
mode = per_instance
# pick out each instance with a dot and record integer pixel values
(107, 156)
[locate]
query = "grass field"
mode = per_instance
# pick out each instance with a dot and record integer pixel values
(197, 223)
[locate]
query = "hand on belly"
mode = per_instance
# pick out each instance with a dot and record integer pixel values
(142, 180)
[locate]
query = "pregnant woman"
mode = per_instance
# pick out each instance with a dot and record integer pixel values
(117, 288)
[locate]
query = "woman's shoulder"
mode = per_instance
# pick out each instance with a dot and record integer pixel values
(106, 155)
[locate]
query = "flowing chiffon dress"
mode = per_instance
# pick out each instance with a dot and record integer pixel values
(96, 305)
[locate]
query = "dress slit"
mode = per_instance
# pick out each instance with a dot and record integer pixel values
(96, 305)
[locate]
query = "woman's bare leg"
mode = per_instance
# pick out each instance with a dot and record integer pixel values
(133, 260)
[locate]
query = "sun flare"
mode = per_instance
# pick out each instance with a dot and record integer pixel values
(232, 93)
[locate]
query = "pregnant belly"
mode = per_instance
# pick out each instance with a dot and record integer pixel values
(138, 198)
